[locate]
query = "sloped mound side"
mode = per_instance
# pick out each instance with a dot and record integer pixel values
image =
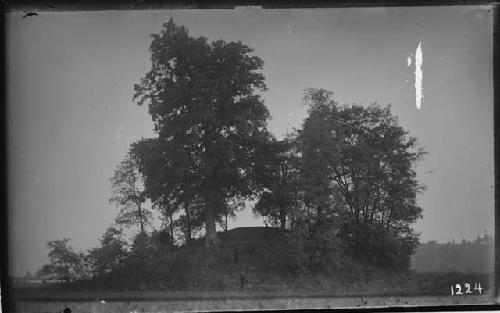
(265, 261)
(266, 258)
(250, 233)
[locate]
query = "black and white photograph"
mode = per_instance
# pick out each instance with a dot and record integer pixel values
(250, 158)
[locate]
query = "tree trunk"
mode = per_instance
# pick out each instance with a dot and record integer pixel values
(225, 225)
(188, 219)
(211, 239)
(308, 223)
(171, 229)
(141, 219)
(282, 218)
(357, 213)
(374, 208)
(356, 197)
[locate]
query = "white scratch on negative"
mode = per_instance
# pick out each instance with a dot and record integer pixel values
(419, 92)
(409, 61)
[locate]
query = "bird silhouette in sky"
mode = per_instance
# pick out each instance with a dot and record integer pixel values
(29, 14)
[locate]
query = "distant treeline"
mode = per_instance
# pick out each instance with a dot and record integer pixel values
(464, 257)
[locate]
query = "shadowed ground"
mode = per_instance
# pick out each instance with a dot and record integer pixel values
(248, 304)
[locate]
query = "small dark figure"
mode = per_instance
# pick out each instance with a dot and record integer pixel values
(67, 310)
(243, 280)
(30, 14)
(236, 256)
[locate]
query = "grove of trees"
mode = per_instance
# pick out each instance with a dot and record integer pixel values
(345, 181)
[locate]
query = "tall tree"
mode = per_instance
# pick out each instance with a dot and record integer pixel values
(85, 270)
(167, 210)
(169, 181)
(319, 191)
(111, 254)
(279, 188)
(128, 193)
(364, 156)
(64, 261)
(204, 102)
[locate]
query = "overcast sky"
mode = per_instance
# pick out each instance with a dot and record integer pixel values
(71, 117)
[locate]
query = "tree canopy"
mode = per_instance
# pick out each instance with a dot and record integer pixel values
(111, 253)
(359, 165)
(63, 260)
(129, 194)
(209, 118)
(278, 180)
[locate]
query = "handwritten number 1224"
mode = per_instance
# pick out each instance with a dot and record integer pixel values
(457, 289)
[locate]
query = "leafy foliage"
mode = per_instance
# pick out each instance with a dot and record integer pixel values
(208, 116)
(360, 167)
(63, 260)
(129, 194)
(340, 190)
(278, 179)
(111, 254)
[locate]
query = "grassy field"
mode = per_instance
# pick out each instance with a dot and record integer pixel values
(412, 285)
